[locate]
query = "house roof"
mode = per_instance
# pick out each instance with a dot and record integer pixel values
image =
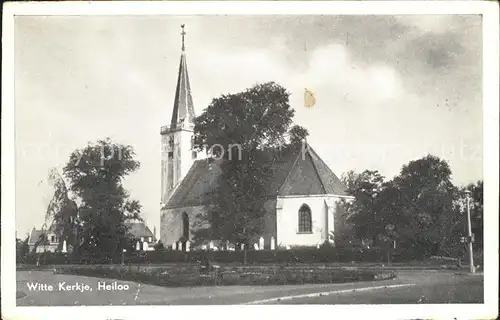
(139, 229)
(201, 179)
(36, 234)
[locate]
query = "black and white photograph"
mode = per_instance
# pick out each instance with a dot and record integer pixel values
(251, 157)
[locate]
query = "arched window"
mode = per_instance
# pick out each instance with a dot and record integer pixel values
(305, 223)
(185, 225)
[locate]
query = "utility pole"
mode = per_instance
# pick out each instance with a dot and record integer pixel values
(469, 231)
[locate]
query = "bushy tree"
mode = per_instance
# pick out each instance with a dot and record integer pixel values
(255, 118)
(62, 211)
(95, 174)
(297, 134)
(425, 204)
(159, 246)
(417, 209)
(22, 247)
(477, 213)
(459, 223)
(254, 121)
(364, 212)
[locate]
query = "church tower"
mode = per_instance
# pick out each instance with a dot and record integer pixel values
(177, 138)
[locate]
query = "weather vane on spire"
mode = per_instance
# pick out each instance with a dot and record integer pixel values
(183, 33)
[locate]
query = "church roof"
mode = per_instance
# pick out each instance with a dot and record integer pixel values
(183, 103)
(331, 183)
(139, 229)
(288, 170)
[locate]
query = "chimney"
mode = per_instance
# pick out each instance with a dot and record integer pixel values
(154, 233)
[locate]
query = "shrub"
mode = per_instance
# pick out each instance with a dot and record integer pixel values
(159, 247)
(327, 245)
(326, 254)
(181, 276)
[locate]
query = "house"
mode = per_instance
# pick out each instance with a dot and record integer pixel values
(43, 240)
(48, 240)
(142, 234)
(302, 195)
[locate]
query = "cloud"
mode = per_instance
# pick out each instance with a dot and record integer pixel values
(332, 69)
(436, 51)
(427, 23)
(330, 72)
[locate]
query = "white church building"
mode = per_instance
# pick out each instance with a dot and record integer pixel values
(302, 197)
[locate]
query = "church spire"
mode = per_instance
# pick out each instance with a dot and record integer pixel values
(183, 103)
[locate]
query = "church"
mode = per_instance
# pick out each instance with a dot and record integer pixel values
(302, 196)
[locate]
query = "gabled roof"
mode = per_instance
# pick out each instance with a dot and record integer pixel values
(331, 183)
(36, 234)
(139, 229)
(201, 179)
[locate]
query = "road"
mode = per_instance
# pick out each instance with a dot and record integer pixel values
(418, 286)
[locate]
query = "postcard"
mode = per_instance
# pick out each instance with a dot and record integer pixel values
(250, 159)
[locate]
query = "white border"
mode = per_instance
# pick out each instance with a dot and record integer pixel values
(489, 10)
(247, 7)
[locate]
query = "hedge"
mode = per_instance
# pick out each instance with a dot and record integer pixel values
(293, 256)
(190, 276)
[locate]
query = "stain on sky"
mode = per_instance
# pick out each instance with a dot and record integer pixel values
(437, 50)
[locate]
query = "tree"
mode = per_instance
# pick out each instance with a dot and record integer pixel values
(297, 134)
(237, 213)
(247, 125)
(364, 212)
(416, 209)
(159, 246)
(22, 247)
(424, 205)
(345, 229)
(95, 174)
(477, 207)
(257, 117)
(62, 210)
(389, 213)
(458, 228)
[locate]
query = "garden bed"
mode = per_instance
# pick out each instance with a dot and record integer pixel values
(188, 276)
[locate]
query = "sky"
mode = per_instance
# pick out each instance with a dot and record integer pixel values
(389, 89)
